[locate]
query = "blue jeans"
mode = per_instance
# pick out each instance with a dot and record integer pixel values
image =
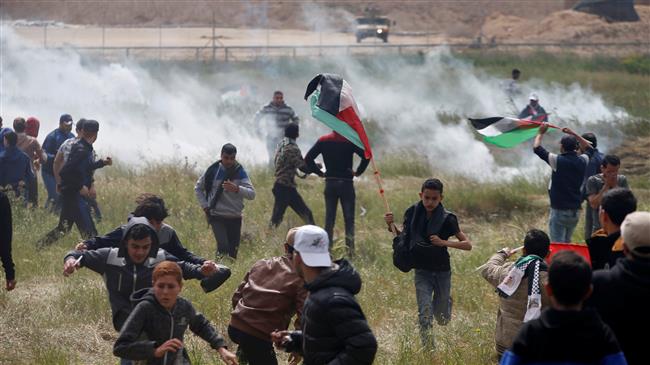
(562, 223)
(433, 294)
(50, 185)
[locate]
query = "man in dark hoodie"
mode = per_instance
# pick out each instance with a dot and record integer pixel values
(157, 310)
(622, 294)
(566, 333)
(128, 268)
(153, 208)
(76, 181)
(334, 328)
(338, 154)
(15, 166)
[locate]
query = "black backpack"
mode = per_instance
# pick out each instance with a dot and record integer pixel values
(402, 256)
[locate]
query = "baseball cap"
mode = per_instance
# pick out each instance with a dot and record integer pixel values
(313, 244)
(635, 231)
(533, 96)
(66, 118)
(569, 143)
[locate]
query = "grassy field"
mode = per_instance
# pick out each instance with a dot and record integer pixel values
(50, 319)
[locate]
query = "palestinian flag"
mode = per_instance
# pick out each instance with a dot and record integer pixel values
(507, 132)
(334, 105)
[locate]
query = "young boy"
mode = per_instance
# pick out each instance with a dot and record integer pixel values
(427, 228)
(566, 333)
(159, 309)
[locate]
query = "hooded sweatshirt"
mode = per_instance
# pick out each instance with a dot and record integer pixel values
(622, 298)
(334, 328)
(159, 325)
(122, 276)
(15, 166)
(229, 205)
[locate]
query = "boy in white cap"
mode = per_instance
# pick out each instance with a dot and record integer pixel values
(334, 328)
(622, 294)
(533, 110)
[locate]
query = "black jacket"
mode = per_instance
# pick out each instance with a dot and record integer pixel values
(337, 154)
(167, 238)
(6, 230)
(565, 337)
(159, 325)
(78, 169)
(622, 298)
(334, 329)
(123, 277)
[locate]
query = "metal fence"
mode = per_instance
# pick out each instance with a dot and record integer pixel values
(251, 53)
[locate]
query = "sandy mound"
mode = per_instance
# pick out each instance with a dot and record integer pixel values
(567, 26)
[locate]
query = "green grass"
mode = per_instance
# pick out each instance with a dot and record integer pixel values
(50, 319)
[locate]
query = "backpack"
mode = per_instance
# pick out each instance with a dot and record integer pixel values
(402, 256)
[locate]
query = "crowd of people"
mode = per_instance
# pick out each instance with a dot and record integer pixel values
(564, 309)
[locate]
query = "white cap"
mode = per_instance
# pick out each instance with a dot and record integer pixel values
(313, 245)
(635, 231)
(533, 96)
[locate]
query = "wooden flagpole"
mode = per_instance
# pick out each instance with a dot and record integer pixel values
(381, 192)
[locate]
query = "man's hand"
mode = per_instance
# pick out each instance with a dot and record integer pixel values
(227, 356)
(108, 161)
(208, 268)
(506, 251)
(84, 191)
(389, 219)
(278, 338)
(172, 345)
(295, 358)
(81, 246)
(92, 193)
(70, 266)
(437, 241)
(543, 128)
(230, 186)
(11, 285)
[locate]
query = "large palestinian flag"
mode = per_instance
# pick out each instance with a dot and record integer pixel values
(507, 132)
(334, 105)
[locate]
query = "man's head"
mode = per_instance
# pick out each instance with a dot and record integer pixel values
(32, 126)
(569, 279)
(568, 143)
(610, 165)
(431, 194)
(10, 140)
(614, 206)
(292, 131)
(533, 99)
(278, 98)
(79, 128)
(635, 231)
(228, 155)
(515, 74)
(19, 125)
(89, 130)
(167, 280)
(591, 138)
(65, 123)
(138, 243)
(154, 210)
(537, 243)
(311, 249)
(289, 241)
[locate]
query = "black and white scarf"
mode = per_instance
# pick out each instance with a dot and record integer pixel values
(526, 266)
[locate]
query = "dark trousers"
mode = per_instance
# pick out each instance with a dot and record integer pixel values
(32, 191)
(252, 350)
(74, 209)
(227, 232)
(94, 208)
(343, 190)
(287, 196)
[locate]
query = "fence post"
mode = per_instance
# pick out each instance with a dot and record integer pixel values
(225, 54)
(45, 36)
(214, 39)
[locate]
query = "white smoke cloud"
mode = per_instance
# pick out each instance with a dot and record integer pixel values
(149, 114)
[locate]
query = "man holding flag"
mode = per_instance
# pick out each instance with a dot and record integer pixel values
(332, 103)
(566, 180)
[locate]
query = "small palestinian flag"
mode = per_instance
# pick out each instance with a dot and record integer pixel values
(507, 132)
(334, 105)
